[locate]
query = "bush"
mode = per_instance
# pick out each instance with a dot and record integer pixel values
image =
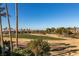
(6, 48)
(22, 52)
(34, 48)
(0, 50)
(39, 47)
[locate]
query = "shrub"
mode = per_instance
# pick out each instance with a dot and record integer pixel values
(6, 48)
(0, 50)
(22, 52)
(34, 48)
(39, 47)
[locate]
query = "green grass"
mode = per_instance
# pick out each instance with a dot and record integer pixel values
(35, 37)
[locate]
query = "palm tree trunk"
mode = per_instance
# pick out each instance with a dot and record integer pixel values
(1, 37)
(11, 45)
(16, 9)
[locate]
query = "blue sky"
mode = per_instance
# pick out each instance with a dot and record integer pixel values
(43, 15)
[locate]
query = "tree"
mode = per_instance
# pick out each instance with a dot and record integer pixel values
(52, 29)
(2, 13)
(16, 11)
(5, 28)
(75, 29)
(7, 14)
(48, 30)
(60, 30)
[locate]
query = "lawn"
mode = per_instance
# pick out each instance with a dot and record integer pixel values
(28, 36)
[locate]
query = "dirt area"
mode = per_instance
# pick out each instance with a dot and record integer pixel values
(71, 41)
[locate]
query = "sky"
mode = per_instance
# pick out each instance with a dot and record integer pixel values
(44, 15)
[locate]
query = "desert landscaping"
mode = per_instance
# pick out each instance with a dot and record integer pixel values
(39, 29)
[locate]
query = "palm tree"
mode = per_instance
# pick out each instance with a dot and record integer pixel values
(1, 34)
(16, 9)
(11, 48)
(75, 29)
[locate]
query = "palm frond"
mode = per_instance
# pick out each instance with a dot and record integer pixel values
(3, 14)
(2, 9)
(0, 4)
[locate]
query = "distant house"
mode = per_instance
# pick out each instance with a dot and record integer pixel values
(75, 30)
(5, 30)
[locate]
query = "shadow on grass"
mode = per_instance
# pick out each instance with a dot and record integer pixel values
(63, 49)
